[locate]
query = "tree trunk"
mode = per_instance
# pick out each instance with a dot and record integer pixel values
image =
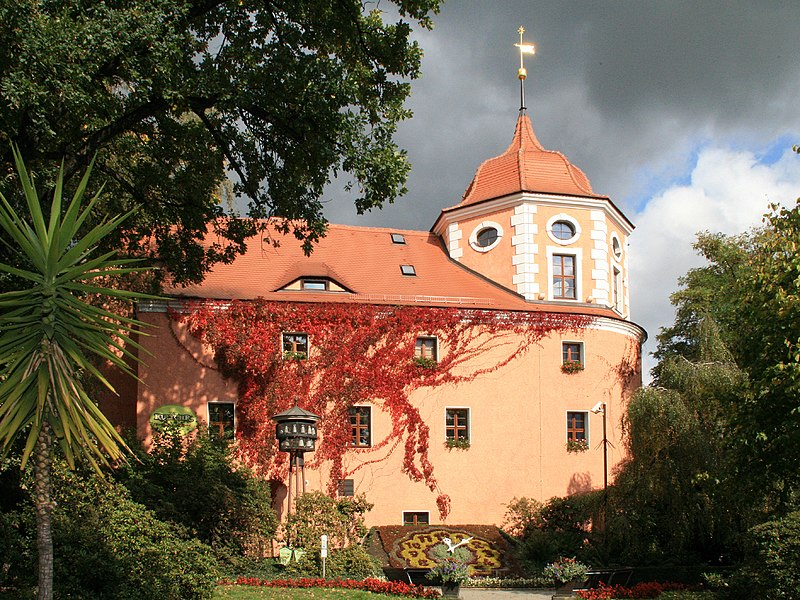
(43, 504)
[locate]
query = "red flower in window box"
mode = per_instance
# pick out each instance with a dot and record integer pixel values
(571, 366)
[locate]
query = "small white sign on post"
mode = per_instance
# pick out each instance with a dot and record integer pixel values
(323, 552)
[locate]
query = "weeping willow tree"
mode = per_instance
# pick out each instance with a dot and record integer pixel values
(51, 325)
(676, 498)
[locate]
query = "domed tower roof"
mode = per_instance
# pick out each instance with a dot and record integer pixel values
(526, 167)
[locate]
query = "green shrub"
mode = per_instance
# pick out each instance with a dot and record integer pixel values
(107, 546)
(351, 562)
(17, 531)
(541, 533)
(234, 566)
(772, 567)
(342, 521)
(196, 483)
(316, 514)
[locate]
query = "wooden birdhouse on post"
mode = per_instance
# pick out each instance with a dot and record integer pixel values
(296, 431)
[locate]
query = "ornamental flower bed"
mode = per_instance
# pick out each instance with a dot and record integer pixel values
(411, 547)
(649, 589)
(376, 586)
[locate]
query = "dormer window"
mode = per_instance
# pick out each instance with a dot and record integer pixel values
(408, 270)
(398, 238)
(315, 284)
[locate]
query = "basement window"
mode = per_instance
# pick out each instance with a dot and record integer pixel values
(416, 517)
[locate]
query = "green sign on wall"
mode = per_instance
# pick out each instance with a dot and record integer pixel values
(174, 415)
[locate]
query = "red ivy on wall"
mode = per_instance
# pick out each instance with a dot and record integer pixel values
(358, 353)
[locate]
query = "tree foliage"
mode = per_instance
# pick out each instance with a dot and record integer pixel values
(712, 442)
(172, 95)
(52, 328)
(751, 289)
(107, 546)
(196, 484)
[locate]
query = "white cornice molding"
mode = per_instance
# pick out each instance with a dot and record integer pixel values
(616, 326)
(512, 200)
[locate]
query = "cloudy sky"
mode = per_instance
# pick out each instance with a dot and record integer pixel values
(684, 113)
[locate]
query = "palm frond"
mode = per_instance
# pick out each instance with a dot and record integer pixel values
(49, 331)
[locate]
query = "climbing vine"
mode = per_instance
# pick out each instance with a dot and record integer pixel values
(357, 353)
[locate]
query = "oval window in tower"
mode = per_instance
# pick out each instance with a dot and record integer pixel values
(563, 230)
(486, 237)
(616, 247)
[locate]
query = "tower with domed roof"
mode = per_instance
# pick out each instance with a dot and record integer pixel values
(530, 221)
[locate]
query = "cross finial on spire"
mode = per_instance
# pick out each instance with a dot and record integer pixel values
(522, 73)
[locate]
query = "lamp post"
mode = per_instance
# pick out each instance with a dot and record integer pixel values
(296, 430)
(600, 408)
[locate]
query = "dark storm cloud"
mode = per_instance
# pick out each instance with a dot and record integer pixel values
(627, 90)
(666, 106)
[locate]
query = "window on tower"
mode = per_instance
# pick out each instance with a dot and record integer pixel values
(487, 237)
(563, 230)
(564, 277)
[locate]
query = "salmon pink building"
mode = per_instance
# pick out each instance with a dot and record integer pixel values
(452, 369)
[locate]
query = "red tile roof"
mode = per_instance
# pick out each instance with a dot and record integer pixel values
(526, 167)
(366, 262)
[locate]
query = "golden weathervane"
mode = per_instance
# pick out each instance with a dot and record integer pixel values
(522, 73)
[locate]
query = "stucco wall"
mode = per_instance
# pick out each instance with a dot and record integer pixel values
(517, 422)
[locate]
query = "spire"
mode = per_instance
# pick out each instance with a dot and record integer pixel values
(522, 73)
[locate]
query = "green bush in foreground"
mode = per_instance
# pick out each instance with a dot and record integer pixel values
(106, 547)
(195, 482)
(111, 547)
(772, 568)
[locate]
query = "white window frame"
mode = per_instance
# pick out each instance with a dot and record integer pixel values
(578, 254)
(473, 237)
(571, 220)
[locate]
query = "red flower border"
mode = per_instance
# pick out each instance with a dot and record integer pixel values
(396, 588)
(647, 589)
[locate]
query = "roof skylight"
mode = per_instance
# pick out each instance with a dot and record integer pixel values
(398, 238)
(408, 270)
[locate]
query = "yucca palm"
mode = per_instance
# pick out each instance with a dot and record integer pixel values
(49, 329)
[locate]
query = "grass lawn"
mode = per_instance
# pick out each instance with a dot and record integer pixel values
(243, 592)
